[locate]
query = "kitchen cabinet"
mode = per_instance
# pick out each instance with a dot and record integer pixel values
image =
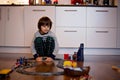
(71, 37)
(96, 27)
(14, 28)
(118, 38)
(101, 17)
(2, 24)
(101, 27)
(118, 29)
(31, 16)
(71, 16)
(12, 25)
(71, 26)
(101, 38)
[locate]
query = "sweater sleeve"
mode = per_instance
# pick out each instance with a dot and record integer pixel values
(56, 45)
(33, 46)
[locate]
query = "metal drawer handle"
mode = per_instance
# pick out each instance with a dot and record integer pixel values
(8, 14)
(102, 11)
(70, 10)
(70, 31)
(37, 10)
(0, 14)
(102, 31)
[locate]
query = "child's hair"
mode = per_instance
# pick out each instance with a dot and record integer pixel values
(44, 21)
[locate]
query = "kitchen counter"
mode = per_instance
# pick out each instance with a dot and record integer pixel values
(58, 5)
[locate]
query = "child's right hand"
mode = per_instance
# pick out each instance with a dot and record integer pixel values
(48, 59)
(39, 59)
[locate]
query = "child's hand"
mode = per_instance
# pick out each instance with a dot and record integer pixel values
(39, 59)
(49, 59)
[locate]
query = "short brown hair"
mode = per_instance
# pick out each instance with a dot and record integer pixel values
(44, 21)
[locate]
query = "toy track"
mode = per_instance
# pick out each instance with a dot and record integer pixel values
(21, 69)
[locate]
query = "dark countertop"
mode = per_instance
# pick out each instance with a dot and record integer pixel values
(58, 5)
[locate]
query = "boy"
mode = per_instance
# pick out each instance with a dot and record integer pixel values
(44, 44)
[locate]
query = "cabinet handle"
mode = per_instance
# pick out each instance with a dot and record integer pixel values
(102, 31)
(70, 10)
(0, 14)
(70, 31)
(38, 10)
(102, 11)
(8, 17)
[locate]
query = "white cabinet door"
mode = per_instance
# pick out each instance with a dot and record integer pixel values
(71, 16)
(14, 29)
(118, 38)
(71, 37)
(31, 16)
(71, 26)
(101, 27)
(2, 24)
(101, 38)
(101, 17)
(118, 30)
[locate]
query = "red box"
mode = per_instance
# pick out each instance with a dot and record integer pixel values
(66, 56)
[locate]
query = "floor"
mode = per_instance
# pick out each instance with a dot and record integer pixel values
(100, 65)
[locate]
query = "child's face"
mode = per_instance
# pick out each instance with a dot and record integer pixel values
(45, 29)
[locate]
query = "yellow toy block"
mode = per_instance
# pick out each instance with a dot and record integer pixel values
(67, 64)
(74, 64)
(70, 64)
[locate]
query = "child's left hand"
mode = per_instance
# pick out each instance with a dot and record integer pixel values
(49, 59)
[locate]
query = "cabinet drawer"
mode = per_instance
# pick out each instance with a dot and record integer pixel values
(71, 37)
(32, 15)
(101, 17)
(71, 16)
(118, 38)
(14, 26)
(101, 37)
(2, 26)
